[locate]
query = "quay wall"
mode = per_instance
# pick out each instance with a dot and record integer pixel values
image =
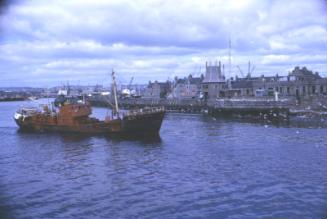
(170, 105)
(222, 107)
(260, 108)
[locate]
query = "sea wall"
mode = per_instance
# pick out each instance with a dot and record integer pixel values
(255, 107)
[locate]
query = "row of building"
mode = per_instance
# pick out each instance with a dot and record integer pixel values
(300, 82)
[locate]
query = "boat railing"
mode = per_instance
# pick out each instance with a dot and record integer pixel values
(146, 110)
(42, 109)
(29, 111)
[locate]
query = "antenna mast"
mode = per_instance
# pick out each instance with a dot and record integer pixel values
(230, 57)
(115, 92)
(229, 60)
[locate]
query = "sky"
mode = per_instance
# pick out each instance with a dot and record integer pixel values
(48, 43)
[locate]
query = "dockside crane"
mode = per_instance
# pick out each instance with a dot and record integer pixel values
(130, 83)
(128, 92)
(250, 70)
(240, 70)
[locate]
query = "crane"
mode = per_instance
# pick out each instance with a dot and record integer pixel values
(240, 70)
(128, 92)
(130, 83)
(250, 70)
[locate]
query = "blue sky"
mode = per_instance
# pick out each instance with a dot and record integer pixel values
(47, 43)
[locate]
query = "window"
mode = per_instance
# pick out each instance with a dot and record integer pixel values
(303, 90)
(321, 89)
(288, 90)
(313, 89)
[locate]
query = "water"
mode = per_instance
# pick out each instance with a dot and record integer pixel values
(199, 168)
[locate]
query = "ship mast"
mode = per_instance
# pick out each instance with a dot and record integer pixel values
(115, 93)
(230, 61)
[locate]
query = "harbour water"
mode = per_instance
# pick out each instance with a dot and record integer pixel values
(199, 167)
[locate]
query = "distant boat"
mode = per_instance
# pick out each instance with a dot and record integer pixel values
(32, 98)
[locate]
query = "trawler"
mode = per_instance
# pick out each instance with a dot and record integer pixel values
(73, 115)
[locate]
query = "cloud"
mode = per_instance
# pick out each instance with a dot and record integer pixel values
(156, 39)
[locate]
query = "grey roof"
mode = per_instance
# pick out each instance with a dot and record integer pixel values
(242, 84)
(195, 80)
(305, 73)
(189, 80)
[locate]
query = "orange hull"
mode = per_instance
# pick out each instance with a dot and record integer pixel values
(75, 118)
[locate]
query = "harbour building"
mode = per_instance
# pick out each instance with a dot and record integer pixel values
(299, 83)
(214, 81)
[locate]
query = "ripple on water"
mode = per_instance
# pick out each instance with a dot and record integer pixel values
(200, 168)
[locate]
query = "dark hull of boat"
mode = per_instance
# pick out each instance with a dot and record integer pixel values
(143, 124)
